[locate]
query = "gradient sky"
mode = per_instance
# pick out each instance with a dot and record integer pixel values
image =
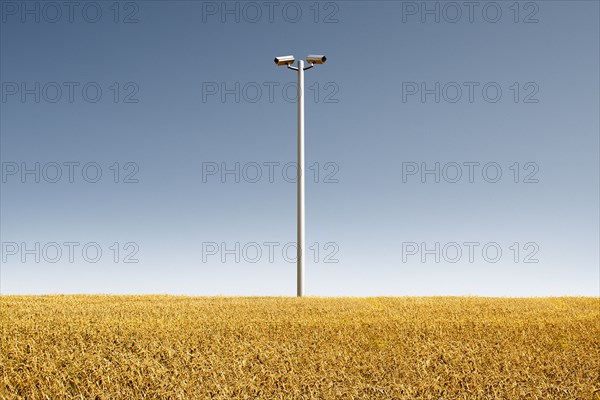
(163, 117)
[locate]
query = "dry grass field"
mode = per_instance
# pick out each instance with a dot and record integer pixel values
(136, 347)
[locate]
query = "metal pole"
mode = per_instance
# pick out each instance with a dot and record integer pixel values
(300, 240)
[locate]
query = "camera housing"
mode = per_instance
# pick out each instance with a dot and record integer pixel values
(316, 59)
(284, 60)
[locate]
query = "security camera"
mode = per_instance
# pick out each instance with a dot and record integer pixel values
(314, 59)
(284, 60)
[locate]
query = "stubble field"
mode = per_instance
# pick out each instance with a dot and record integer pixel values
(134, 347)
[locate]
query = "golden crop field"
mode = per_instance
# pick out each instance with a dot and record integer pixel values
(171, 347)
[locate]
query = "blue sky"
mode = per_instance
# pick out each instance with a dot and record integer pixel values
(149, 147)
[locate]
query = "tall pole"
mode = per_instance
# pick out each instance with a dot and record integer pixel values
(300, 239)
(288, 62)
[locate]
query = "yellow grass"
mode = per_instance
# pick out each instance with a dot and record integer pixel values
(135, 347)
